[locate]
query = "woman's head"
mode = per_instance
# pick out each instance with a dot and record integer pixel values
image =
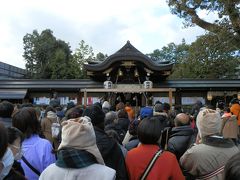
(15, 138)
(76, 112)
(149, 130)
(26, 121)
(3, 140)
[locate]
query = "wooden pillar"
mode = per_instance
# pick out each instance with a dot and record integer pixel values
(79, 98)
(85, 98)
(178, 97)
(170, 98)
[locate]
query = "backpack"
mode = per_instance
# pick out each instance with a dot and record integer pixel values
(56, 129)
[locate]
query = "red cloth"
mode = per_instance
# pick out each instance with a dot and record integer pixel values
(166, 166)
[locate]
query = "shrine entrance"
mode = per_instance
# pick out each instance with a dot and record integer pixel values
(137, 97)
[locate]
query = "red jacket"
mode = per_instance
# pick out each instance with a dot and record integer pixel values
(166, 166)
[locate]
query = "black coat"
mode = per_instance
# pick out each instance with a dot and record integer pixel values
(16, 172)
(111, 153)
(180, 139)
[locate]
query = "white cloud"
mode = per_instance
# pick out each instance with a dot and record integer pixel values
(105, 25)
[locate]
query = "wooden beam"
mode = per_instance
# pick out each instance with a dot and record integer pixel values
(126, 90)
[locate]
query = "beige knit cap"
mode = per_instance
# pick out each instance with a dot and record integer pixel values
(208, 122)
(79, 134)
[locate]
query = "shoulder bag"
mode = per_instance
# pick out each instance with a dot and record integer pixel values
(150, 165)
(30, 166)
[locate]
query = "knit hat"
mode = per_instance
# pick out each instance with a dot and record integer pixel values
(208, 122)
(79, 134)
(106, 105)
(146, 112)
(95, 113)
(158, 108)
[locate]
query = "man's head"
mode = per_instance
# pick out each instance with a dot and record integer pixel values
(182, 119)
(6, 109)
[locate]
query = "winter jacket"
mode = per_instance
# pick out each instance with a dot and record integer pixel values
(205, 158)
(111, 153)
(165, 167)
(180, 140)
(46, 126)
(133, 142)
(16, 172)
(92, 172)
(230, 127)
(124, 123)
(38, 153)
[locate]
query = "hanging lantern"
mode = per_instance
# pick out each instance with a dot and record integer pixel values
(136, 74)
(209, 96)
(147, 84)
(120, 73)
(108, 84)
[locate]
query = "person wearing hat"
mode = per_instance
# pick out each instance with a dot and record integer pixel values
(146, 112)
(106, 107)
(108, 147)
(78, 154)
(235, 109)
(208, 158)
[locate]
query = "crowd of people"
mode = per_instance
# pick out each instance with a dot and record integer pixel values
(102, 141)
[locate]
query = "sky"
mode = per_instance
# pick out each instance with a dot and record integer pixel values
(105, 25)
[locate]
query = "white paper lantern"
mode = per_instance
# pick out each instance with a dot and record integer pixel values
(147, 84)
(108, 84)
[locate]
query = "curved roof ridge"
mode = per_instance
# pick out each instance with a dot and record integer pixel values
(129, 52)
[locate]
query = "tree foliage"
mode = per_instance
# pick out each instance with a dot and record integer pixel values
(172, 53)
(101, 57)
(47, 57)
(82, 55)
(206, 58)
(50, 58)
(227, 24)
